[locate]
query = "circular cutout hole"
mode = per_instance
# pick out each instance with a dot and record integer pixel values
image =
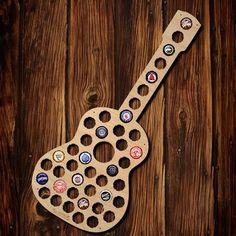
(86, 140)
(160, 63)
(109, 216)
(72, 165)
(58, 171)
(134, 103)
(119, 130)
(68, 207)
(124, 162)
(121, 144)
(104, 116)
(118, 202)
(90, 172)
(92, 221)
(73, 149)
(119, 185)
(56, 200)
(46, 164)
(143, 90)
(103, 152)
(78, 217)
(89, 123)
(44, 193)
(72, 193)
(98, 208)
(134, 135)
(90, 190)
(101, 180)
(177, 36)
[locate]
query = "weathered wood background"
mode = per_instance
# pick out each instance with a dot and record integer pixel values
(59, 58)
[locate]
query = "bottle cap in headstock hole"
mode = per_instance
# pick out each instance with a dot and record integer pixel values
(83, 203)
(112, 170)
(126, 116)
(151, 77)
(59, 186)
(77, 179)
(186, 23)
(106, 195)
(169, 49)
(42, 178)
(85, 157)
(101, 132)
(58, 156)
(136, 152)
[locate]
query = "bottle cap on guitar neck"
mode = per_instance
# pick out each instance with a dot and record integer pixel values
(126, 116)
(151, 77)
(112, 170)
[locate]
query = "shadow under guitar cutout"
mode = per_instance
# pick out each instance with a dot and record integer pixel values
(85, 182)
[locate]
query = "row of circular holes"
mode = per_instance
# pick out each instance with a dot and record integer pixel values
(72, 165)
(160, 63)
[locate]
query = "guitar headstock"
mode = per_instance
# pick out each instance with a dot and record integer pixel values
(88, 191)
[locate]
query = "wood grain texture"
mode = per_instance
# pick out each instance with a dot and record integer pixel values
(9, 64)
(65, 57)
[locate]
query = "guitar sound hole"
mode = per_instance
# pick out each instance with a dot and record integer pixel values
(134, 103)
(103, 152)
(78, 218)
(92, 221)
(109, 216)
(59, 171)
(89, 123)
(118, 202)
(46, 164)
(56, 200)
(134, 135)
(104, 116)
(44, 193)
(124, 162)
(73, 149)
(143, 90)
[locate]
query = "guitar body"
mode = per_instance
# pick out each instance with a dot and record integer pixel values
(89, 190)
(122, 138)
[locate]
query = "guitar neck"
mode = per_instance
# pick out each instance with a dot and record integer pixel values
(176, 38)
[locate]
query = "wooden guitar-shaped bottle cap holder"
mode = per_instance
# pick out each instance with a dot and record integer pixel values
(90, 194)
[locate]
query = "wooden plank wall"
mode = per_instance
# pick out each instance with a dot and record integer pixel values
(60, 58)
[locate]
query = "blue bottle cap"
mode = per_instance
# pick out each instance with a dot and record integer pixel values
(85, 157)
(112, 170)
(42, 178)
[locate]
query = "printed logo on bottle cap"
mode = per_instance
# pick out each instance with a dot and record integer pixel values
(126, 116)
(186, 23)
(58, 156)
(136, 152)
(106, 195)
(59, 186)
(77, 179)
(85, 157)
(151, 77)
(83, 203)
(42, 178)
